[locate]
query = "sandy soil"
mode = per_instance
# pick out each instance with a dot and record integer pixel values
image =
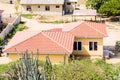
(113, 30)
(114, 60)
(8, 8)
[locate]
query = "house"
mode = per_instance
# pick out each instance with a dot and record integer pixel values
(86, 14)
(88, 39)
(55, 44)
(48, 7)
(79, 39)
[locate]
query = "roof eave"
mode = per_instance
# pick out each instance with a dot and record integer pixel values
(20, 52)
(38, 3)
(91, 36)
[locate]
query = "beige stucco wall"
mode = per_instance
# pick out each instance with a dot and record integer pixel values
(54, 58)
(85, 47)
(42, 11)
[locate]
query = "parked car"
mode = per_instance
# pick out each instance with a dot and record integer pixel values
(108, 53)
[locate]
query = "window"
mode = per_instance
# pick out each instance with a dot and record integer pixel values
(28, 8)
(77, 46)
(57, 6)
(93, 46)
(39, 6)
(47, 8)
(68, 3)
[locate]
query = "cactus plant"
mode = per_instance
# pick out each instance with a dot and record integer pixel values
(26, 69)
(48, 69)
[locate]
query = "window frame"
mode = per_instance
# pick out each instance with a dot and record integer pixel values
(68, 3)
(47, 8)
(57, 6)
(77, 46)
(28, 8)
(38, 6)
(92, 45)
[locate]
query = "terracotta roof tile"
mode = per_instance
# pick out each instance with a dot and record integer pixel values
(53, 30)
(54, 42)
(89, 29)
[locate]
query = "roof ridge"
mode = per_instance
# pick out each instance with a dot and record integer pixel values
(77, 25)
(24, 40)
(55, 41)
(94, 29)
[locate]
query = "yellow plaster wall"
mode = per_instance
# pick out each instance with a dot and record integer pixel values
(55, 58)
(85, 47)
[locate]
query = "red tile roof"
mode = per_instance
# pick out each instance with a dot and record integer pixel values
(54, 30)
(89, 29)
(55, 40)
(45, 42)
(85, 12)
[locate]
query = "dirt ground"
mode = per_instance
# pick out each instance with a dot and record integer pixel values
(114, 60)
(113, 30)
(8, 8)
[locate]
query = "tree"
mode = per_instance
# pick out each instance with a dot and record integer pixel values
(95, 4)
(110, 8)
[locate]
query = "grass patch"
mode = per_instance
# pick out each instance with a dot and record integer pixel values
(29, 16)
(118, 43)
(3, 68)
(61, 21)
(19, 27)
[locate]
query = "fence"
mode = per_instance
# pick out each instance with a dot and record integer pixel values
(10, 26)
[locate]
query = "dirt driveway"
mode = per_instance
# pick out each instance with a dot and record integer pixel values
(114, 60)
(113, 30)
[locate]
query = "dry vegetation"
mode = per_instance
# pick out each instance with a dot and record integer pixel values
(81, 2)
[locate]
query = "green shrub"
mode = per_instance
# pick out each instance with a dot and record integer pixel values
(79, 70)
(118, 43)
(18, 27)
(40, 63)
(3, 68)
(29, 16)
(1, 41)
(76, 70)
